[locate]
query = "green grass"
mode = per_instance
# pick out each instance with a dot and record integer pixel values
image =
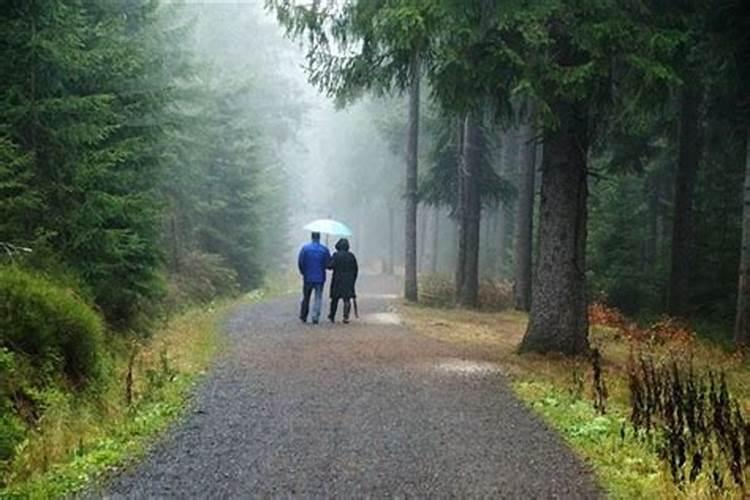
(123, 443)
(82, 438)
(625, 468)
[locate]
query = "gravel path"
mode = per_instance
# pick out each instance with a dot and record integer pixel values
(361, 410)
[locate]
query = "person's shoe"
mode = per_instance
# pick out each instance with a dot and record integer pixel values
(304, 320)
(346, 321)
(331, 319)
(315, 322)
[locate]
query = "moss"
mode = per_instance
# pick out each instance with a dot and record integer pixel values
(50, 325)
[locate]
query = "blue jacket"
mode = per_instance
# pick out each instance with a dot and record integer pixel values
(312, 262)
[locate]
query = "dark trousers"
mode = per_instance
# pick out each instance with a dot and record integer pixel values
(307, 291)
(335, 306)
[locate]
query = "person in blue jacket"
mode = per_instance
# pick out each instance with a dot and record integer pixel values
(312, 262)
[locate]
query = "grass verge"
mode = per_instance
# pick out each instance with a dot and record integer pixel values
(559, 389)
(81, 438)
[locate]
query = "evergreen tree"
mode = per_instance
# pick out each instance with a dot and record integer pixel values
(82, 98)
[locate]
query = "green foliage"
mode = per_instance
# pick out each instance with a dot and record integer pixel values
(718, 223)
(121, 144)
(50, 325)
(12, 430)
(81, 80)
(48, 336)
(439, 186)
(632, 211)
(18, 196)
(224, 181)
(365, 45)
(84, 437)
(624, 268)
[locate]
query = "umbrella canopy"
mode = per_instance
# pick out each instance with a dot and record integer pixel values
(329, 226)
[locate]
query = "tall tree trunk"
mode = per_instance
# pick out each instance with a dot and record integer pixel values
(525, 222)
(460, 208)
(502, 209)
(471, 217)
(682, 230)
(492, 248)
(435, 241)
(390, 263)
(412, 143)
(422, 228)
(742, 319)
(485, 257)
(558, 321)
(509, 169)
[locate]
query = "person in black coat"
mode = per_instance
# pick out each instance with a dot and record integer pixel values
(345, 270)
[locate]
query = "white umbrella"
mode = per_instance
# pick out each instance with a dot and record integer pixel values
(328, 226)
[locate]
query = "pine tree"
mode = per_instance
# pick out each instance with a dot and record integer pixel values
(84, 90)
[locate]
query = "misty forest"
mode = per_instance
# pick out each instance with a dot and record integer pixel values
(547, 204)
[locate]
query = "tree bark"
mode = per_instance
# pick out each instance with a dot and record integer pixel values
(509, 169)
(472, 213)
(490, 218)
(435, 241)
(412, 143)
(742, 318)
(525, 222)
(422, 230)
(502, 209)
(558, 321)
(460, 208)
(682, 230)
(391, 243)
(493, 252)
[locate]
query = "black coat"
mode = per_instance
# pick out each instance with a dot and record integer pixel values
(345, 270)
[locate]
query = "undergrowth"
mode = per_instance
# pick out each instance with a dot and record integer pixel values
(699, 426)
(626, 468)
(439, 291)
(82, 436)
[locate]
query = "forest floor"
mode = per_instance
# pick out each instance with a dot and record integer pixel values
(368, 409)
(561, 391)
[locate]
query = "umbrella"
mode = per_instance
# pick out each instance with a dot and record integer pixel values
(329, 226)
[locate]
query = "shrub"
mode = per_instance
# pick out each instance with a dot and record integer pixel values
(50, 325)
(495, 295)
(701, 426)
(12, 430)
(439, 291)
(665, 330)
(201, 278)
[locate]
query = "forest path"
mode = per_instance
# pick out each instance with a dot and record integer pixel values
(361, 410)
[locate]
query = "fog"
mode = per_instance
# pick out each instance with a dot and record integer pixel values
(339, 162)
